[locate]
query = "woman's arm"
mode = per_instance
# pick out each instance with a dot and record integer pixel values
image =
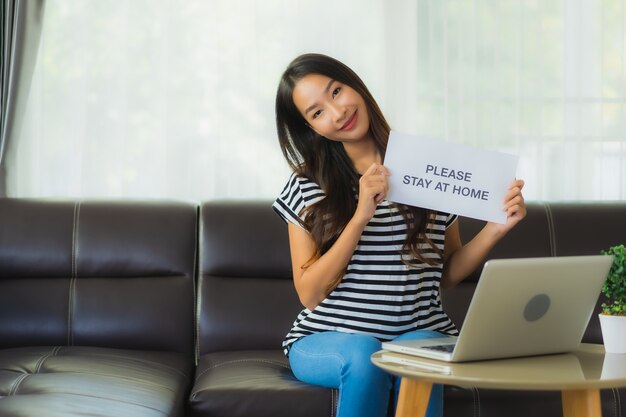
(459, 260)
(314, 282)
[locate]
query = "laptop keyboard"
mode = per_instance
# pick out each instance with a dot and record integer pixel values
(440, 348)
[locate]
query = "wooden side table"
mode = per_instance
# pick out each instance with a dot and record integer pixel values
(578, 375)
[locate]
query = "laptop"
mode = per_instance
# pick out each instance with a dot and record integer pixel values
(521, 307)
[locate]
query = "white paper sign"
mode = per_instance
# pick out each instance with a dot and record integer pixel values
(448, 177)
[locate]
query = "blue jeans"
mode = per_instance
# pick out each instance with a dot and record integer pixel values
(342, 360)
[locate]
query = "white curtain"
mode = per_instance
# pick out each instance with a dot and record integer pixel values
(20, 27)
(544, 79)
(168, 99)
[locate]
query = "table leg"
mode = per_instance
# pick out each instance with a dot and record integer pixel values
(413, 398)
(581, 403)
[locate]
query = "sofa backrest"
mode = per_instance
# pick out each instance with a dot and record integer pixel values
(246, 298)
(246, 294)
(549, 229)
(530, 238)
(110, 274)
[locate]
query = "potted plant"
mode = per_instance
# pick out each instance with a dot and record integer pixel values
(613, 316)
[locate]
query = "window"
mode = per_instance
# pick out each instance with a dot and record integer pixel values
(162, 99)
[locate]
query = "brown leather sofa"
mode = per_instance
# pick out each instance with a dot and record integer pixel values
(169, 309)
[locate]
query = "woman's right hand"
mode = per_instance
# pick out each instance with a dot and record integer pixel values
(373, 187)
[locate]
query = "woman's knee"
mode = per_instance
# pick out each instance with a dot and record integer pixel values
(329, 358)
(419, 334)
(357, 355)
(363, 344)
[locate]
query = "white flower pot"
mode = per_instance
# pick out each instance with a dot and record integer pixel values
(613, 333)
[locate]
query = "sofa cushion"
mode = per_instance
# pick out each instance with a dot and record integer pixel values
(108, 274)
(96, 382)
(255, 383)
(585, 228)
(246, 305)
(109, 286)
(246, 298)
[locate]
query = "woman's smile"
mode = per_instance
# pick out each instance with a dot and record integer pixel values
(351, 122)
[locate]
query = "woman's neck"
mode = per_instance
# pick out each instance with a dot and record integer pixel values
(363, 154)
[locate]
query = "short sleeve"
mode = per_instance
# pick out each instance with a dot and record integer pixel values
(298, 194)
(451, 218)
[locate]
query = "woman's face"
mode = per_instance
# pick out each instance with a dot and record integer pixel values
(332, 109)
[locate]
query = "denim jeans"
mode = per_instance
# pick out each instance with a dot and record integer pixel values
(342, 360)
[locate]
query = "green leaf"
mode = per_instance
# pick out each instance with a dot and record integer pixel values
(614, 287)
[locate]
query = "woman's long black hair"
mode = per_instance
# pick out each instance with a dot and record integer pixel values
(326, 162)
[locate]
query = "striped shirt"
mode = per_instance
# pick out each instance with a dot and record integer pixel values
(379, 295)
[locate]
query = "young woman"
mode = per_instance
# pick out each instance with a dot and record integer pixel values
(365, 269)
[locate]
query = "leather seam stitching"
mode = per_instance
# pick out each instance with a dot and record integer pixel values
(477, 403)
(17, 384)
(243, 361)
(474, 402)
(70, 332)
(551, 232)
(54, 352)
(195, 275)
(193, 395)
(199, 277)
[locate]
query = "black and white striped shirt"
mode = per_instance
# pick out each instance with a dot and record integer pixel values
(379, 295)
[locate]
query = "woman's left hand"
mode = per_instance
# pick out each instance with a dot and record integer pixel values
(514, 206)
